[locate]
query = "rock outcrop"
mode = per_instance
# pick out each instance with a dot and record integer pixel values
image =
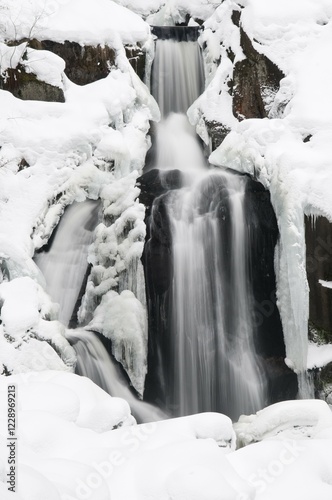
(319, 272)
(26, 86)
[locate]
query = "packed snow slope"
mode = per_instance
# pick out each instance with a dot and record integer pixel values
(82, 21)
(76, 442)
(171, 12)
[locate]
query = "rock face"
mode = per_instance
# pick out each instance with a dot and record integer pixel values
(157, 259)
(319, 267)
(263, 235)
(84, 64)
(26, 86)
(255, 80)
(254, 83)
(87, 64)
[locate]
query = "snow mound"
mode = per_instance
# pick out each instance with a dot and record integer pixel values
(100, 22)
(166, 13)
(69, 398)
(290, 419)
(68, 448)
(75, 441)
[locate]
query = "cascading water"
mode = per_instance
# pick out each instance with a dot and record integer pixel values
(212, 334)
(177, 81)
(64, 264)
(213, 361)
(64, 267)
(177, 75)
(93, 361)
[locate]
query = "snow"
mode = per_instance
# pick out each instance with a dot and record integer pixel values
(66, 449)
(325, 284)
(284, 419)
(171, 12)
(118, 246)
(78, 442)
(21, 351)
(319, 355)
(46, 66)
(101, 22)
(10, 56)
(220, 36)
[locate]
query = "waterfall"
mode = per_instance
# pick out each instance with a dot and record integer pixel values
(177, 81)
(212, 334)
(177, 78)
(64, 263)
(213, 365)
(94, 362)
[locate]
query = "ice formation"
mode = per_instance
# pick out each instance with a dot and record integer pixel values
(70, 152)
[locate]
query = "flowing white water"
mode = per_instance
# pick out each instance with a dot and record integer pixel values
(212, 333)
(212, 336)
(177, 145)
(177, 81)
(93, 361)
(64, 265)
(177, 75)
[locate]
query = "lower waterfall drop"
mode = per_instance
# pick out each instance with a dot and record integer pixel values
(64, 264)
(212, 335)
(94, 362)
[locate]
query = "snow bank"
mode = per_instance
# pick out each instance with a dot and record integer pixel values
(220, 39)
(30, 340)
(68, 448)
(319, 355)
(100, 22)
(285, 420)
(78, 442)
(48, 67)
(168, 13)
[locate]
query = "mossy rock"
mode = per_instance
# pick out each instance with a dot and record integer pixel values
(26, 86)
(217, 133)
(326, 375)
(319, 335)
(323, 383)
(253, 78)
(137, 58)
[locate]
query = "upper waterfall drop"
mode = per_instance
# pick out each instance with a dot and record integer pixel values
(177, 81)
(178, 75)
